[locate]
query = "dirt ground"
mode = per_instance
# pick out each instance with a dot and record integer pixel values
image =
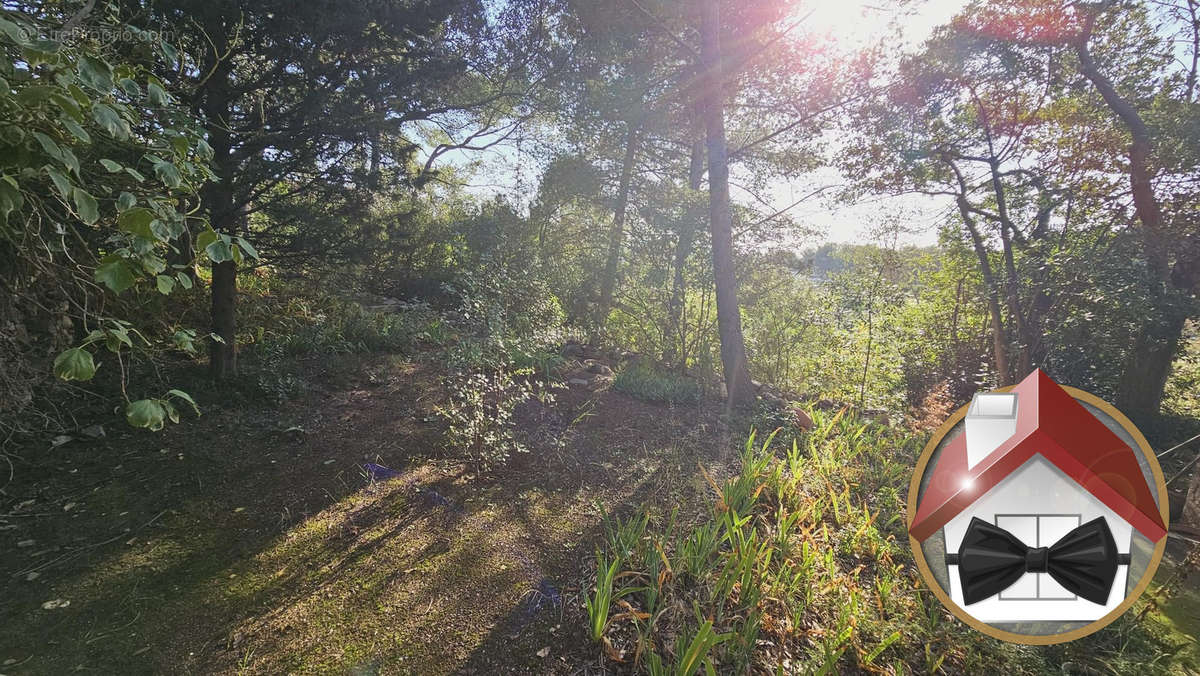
(253, 540)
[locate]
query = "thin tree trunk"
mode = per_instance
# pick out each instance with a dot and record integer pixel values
(608, 282)
(999, 339)
(729, 321)
(218, 199)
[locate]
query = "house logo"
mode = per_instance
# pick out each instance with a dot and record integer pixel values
(1037, 513)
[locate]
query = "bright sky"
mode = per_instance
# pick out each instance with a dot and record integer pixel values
(854, 23)
(851, 23)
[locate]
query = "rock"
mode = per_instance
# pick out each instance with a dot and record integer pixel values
(802, 419)
(827, 405)
(572, 350)
(876, 415)
(594, 366)
(579, 381)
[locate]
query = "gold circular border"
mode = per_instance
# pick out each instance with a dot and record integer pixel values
(1048, 639)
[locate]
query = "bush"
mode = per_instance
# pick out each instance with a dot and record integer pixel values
(481, 415)
(650, 384)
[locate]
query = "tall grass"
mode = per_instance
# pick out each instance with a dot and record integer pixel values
(800, 564)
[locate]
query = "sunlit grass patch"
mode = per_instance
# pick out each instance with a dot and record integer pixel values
(645, 382)
(801, 565)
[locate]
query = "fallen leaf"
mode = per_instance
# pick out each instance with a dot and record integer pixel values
(60, 440)
(26, 543)
(544, 652)
(93, 431)
(32, 576)
(55, 603)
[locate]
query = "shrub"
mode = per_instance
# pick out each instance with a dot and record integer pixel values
(480, 413)
(645, 382)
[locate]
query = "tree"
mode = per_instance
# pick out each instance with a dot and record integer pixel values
(1159, 165)
(292, 93)
(712, 104)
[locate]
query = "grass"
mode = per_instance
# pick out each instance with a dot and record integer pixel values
(800, 564)
(650, 384)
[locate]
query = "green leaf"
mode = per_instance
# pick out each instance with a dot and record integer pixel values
(76, 130)
(185, 280)
(153, 264)
(165, 284)
(185, 339)
(219, 251)
(168, 173)
(74, 364)
(115, 273)
(147, 413)
(137, 175)
(126, 201)
(69, 105)
(95, 73)
(131, 88)
(205, 238)
(15, 33)
(61, 182)
(247, 247)
(10, 197)
(69, 159)
(186, 397)
(158, 95)
(86, 206)
(110, 121)
(111, 166)
(203, 150)
(137, 222)
(34, 95)
(48, 145)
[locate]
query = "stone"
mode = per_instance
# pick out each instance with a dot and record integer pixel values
(572, 350)
(594, 366)
(579, 381)
(802, 419)
(877, 415)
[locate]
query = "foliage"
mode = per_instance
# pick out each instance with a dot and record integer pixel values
(802, 560)
(481, 415)
(646, 382)
(100, 172)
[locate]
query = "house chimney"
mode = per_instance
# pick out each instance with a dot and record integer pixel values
(991, 420)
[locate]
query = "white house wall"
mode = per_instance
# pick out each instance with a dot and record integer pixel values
(1037, 488)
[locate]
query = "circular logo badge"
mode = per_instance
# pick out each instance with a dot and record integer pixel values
(1037, 513)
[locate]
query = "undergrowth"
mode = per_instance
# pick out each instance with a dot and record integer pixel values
(647, 383)
(801, 565)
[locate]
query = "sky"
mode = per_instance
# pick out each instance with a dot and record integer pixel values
(852, 24)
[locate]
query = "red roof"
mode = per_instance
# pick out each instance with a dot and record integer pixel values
(1050, 422)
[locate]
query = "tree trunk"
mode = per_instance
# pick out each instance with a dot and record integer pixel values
(729, 320)
(999, 338)
(1148, 366)
(677, 347)
(608, 283)
(1140, 392)
(218, 200)
(223, 355)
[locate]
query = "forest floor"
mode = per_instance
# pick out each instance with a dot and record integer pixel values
(252, 539)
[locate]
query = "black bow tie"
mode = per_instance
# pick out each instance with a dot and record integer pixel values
(991, 559)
